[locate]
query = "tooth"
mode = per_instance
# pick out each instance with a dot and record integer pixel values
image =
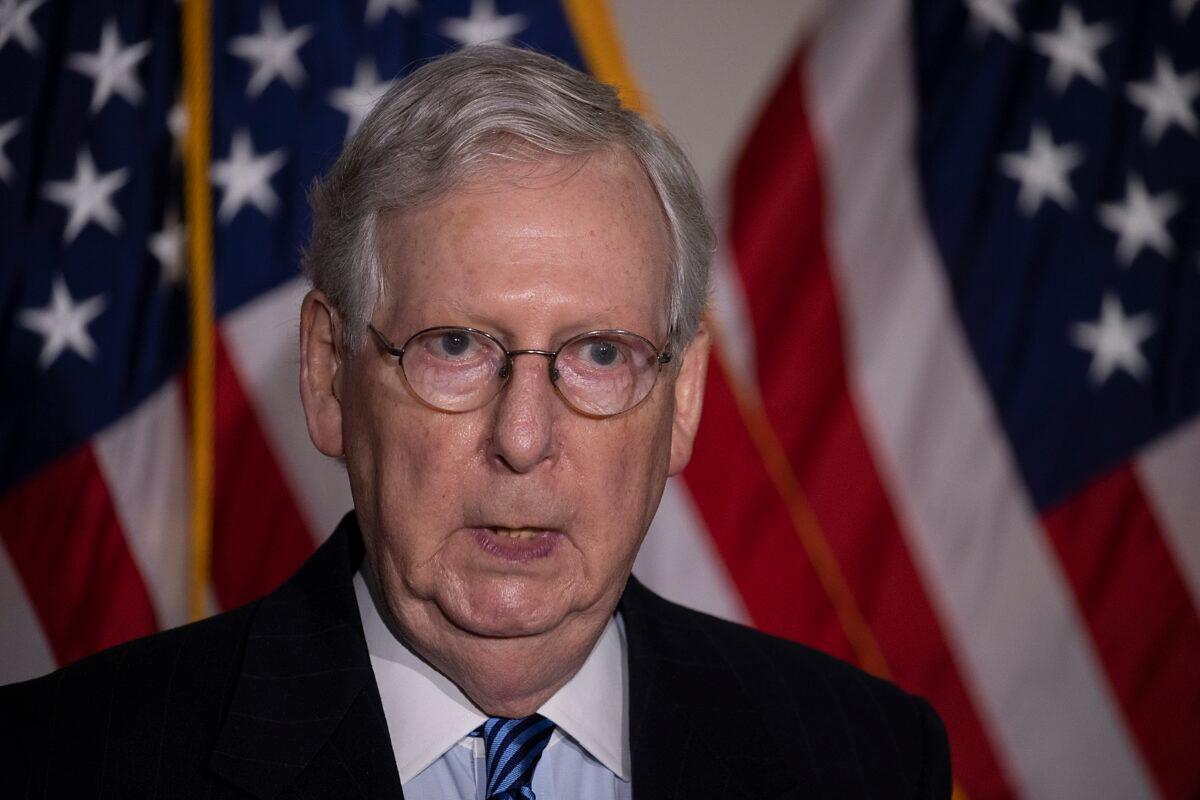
(516, 533)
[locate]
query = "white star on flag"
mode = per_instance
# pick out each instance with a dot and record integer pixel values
(1140, 220)
(177, 120)
(7, 131)
(357, 100)
(1114, 340)
(377, 9)
(273, 51)
(166, 246)
(1167, 99)
(177, 123)
(88, 196)
(1042, 171)
(483, 25)
(245, 177)
(63, 324)
(1183, 8)
(995, 15)
(111, 68)
(16, 24)
(1074, 49)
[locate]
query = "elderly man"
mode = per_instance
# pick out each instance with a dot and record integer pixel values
(504, 344)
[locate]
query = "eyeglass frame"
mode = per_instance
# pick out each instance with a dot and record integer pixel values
(662, 357)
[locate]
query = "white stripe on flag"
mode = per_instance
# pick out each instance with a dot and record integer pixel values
(25, 653)
(142, 457)
(973, 532)
(262, 338)
(1170, 475)
(679, 561)
(730, 316)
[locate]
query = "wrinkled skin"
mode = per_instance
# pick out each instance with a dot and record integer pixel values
(532, 255)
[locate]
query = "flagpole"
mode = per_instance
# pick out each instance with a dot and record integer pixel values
(597, 38)
(197, 148)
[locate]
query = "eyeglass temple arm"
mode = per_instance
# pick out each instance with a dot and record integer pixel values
(398, 352)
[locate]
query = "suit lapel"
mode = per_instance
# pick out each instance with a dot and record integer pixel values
(694, 730)
(305, 702)
(357, 761)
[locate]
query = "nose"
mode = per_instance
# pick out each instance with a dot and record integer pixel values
(523, 427)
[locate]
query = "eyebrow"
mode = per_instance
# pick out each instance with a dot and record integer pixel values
(458, 315)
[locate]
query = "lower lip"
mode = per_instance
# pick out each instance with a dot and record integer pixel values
(517, 551)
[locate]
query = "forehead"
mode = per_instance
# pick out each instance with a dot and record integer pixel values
(564, 242)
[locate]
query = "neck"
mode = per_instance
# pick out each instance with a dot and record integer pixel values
(514, 677)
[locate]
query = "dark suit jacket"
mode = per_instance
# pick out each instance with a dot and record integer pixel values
(277, 700)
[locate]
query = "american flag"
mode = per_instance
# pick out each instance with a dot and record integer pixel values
(951, 429)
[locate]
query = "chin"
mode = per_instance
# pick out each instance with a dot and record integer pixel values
(506, 607)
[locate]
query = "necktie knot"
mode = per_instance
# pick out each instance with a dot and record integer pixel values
(512, 748)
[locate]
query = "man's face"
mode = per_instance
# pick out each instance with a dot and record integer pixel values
(523, 515)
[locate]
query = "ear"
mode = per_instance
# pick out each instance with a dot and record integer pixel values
(689, 398)
(320, 359)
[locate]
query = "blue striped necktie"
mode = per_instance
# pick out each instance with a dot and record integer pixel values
(513, 748)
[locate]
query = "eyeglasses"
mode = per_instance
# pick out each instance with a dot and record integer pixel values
(598, 373)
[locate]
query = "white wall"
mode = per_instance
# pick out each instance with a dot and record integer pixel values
(705, 66)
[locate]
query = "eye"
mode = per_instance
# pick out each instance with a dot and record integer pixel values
(451, 346)
(454, 343)
(602, 353)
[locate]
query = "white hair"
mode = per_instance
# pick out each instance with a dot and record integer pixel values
(445, 122)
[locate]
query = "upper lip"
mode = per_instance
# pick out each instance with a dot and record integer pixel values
(517, 527)
(541, 515)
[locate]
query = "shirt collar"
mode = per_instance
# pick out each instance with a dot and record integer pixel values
(593, 706)
(427, 713)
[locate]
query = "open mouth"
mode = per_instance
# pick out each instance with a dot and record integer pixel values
(516, 544)
(524, 534)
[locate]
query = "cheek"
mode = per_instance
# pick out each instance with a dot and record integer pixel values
(623, 482)
(407, 466)
(420, 469)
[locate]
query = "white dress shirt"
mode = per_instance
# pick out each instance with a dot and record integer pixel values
(429, 720)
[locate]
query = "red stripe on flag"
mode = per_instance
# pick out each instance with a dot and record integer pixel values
(1140, 617)
(62, 533)
(778, 239)
(752, 529)
(259, 535)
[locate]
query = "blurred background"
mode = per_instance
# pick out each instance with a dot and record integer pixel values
(951, 431)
